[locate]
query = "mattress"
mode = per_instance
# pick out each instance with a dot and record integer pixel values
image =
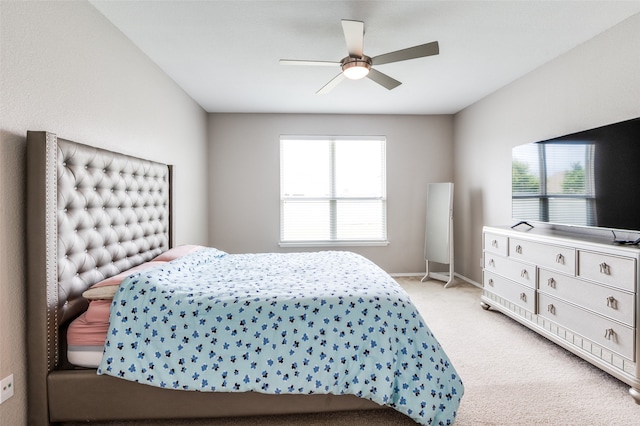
(87, 333)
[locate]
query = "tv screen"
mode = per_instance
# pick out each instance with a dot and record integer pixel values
(589, 178)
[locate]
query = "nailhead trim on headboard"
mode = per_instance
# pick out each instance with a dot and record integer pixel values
(51, 239)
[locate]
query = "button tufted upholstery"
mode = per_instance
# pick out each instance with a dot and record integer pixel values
(112, 214)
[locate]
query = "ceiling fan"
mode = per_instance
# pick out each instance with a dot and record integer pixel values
(357, 65)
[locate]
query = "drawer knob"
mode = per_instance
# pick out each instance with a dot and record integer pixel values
(551, 282)
(490, 282)
(524, 274)
(612, 302)
(492, 262)
(551, 309)
(523, 297)
(609, 334)
(519, 249)
(494, 243)
(560, 258)
(605, 269)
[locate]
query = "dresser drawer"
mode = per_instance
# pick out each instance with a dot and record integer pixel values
(606, 301)
(517, 294)
(615, 271)
(520, 272)
(496, 243)
(554, 257)
(605, 332)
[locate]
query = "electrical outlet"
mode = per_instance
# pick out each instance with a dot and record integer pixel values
(6, 388)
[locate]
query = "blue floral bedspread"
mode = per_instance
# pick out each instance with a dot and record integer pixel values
(325, 322)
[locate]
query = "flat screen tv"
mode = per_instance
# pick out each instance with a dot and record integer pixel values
(586, 179)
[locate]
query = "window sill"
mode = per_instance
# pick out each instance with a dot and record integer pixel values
(333, 243)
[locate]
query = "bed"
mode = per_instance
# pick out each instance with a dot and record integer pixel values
(94, 214)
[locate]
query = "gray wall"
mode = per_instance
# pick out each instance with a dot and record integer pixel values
(244, 185)
(595, 84)
(64, 68)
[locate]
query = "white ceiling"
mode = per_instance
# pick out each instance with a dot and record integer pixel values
(225, 54)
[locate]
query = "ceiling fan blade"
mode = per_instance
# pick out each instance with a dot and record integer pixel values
(314, 63)
(330, 85)
(383, 79)
(409, 53)
(354, 36)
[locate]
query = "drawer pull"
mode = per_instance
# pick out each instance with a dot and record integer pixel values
(519, 249)
(560, 258)
(492, 263)
(612, 302)
(609, 334)
(551, 283)
(494, 243)
(524, 274)
(490, 282)
(605, 269)
(523, 297)
(551, 309)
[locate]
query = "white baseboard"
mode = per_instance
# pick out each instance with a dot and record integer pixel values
(421, 274)
(468, 280)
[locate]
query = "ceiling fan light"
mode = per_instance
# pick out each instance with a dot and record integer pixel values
(355, 70)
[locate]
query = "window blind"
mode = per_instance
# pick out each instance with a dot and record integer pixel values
(332, 189)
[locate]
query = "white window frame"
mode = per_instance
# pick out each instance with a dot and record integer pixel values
(333, 199)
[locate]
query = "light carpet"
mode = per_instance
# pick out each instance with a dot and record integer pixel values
(512, 376)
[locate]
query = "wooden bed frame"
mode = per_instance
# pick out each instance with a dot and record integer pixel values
(92, 213)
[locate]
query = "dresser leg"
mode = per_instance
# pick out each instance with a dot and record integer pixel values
(635, 393)
(485, 306)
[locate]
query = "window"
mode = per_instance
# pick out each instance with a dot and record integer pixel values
(332, 190)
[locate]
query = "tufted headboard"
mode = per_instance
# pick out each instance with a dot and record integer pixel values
(91, 213)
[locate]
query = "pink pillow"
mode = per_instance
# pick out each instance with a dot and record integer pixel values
(105, 289)
(117, 279)
(177, 252)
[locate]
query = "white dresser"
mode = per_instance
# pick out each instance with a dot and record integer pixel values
(580, 292)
